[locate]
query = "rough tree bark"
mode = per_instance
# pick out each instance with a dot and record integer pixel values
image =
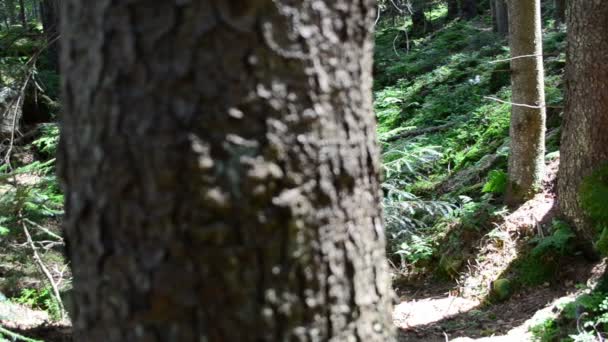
(584, 146)
(527, 157)
(502, 17)
(220, 169)
(50, 23)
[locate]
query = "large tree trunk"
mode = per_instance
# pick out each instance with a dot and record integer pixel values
(527, 158)
(502, 17)
(220, 168)
(584, 147)
(560, 11)
(468, 8)
(50, 22)
(22, 16)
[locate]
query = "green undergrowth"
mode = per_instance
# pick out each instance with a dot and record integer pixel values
(30, 197)
(584, 319)
(448, 78)
(542, 262)
(539, 262)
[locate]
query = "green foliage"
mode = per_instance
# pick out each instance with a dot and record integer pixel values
(36, 202)
(497, 182)
(601, 245)
(445, 78)
(559, 241)
(545, 331)
(404, 162)
(48, 140)
(416, 249)
(542, 262)
(581, 320)
(40, 299)
(406, 216)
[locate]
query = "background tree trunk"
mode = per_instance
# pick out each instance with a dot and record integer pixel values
(493, 14)
(560, 11)
(453, 10)
(10, 10)
(22, 16)
(419, 22)
(468, 8)
(502, 17)
(220, 169)
(584, 147)
(50, 23)
(527, 158)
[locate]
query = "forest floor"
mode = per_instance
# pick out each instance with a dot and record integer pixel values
(465, 310)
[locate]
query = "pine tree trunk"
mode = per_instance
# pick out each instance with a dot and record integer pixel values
(50, 23)
(584, 146)
(502, 17)
(527, 158)
(22, 16)
(220, 168)
(560, 11)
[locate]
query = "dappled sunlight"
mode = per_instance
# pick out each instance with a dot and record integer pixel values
(424, 311)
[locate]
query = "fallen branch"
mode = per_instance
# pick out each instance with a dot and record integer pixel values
(44, 270)
(48, 232)
(417, 132)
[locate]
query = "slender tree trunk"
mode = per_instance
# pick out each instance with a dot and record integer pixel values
(502, 17)
(419, 23)
(220, 168)
(527, 159)
(10, 10)
(50, 23)
(453, 10)
(468, 8)
(22, 16)
(584, 147)
(493, 13)
(560, 11)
